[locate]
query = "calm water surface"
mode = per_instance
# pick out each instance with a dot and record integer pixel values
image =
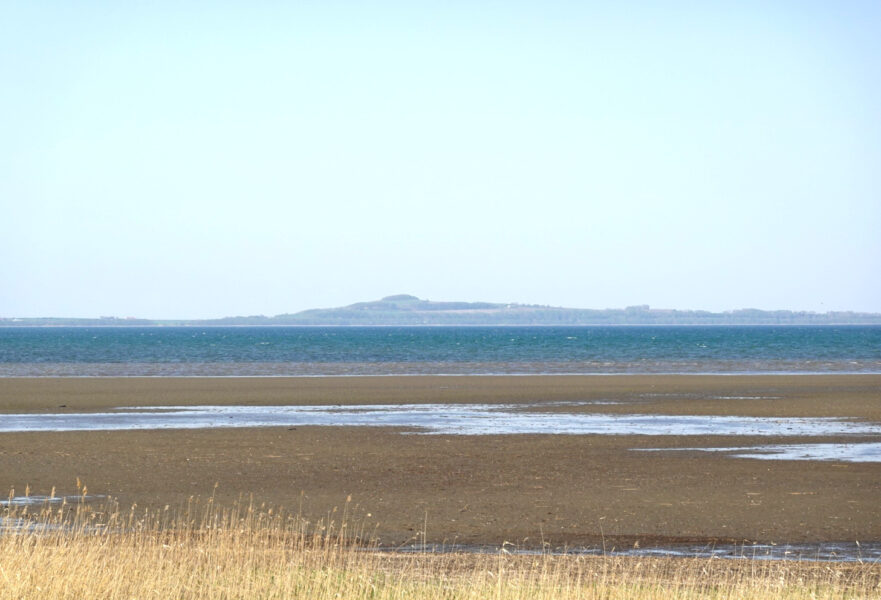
(280, 351)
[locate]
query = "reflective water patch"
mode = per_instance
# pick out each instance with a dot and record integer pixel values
(821, 552)
(857, 452)
(451, 419)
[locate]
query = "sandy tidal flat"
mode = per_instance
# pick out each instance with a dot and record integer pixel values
(526, 489)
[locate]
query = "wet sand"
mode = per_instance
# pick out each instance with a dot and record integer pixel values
(525, 489)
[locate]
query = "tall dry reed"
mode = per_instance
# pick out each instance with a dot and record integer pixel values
(200, 550)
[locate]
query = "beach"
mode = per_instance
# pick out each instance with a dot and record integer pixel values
(526, 489)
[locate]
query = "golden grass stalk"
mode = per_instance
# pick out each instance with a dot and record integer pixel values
(243, 551)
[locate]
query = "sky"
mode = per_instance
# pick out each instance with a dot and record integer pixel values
(198, 160)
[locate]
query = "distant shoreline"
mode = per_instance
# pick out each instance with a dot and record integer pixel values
(409, 311)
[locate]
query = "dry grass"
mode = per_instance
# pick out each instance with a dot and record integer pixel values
(204, 551)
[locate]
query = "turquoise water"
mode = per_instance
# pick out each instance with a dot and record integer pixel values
(278, 351)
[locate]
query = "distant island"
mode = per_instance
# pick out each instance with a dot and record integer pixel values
(406, 310)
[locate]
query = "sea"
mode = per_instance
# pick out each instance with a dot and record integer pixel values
(351, 351)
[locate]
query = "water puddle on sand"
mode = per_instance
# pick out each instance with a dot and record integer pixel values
(41, 500)
(21, 525)
(449, 419)
(481, 419)
(826, 552)
(857, 452)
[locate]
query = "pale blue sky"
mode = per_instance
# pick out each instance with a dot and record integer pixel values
(160, 159)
